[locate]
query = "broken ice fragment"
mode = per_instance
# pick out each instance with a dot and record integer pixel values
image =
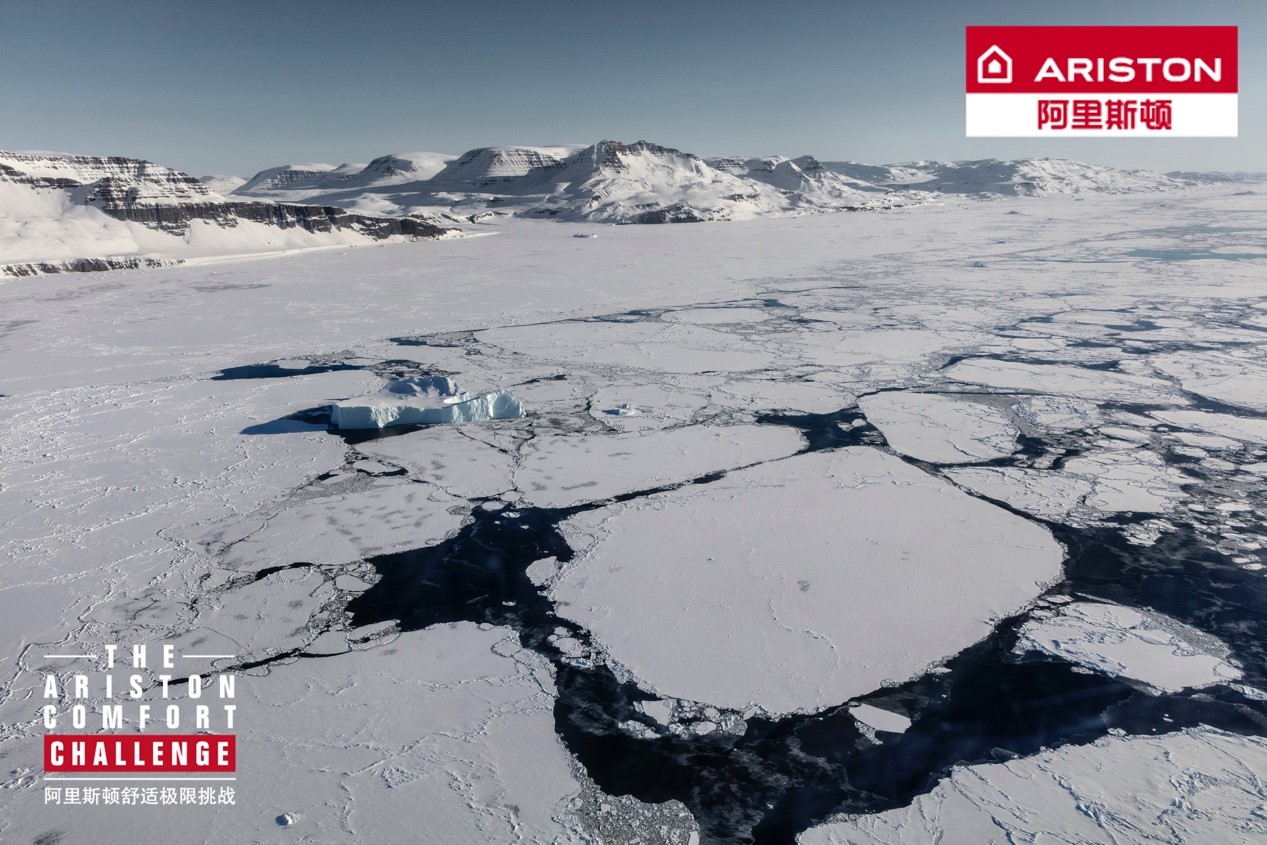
(1120, 641)
(424, 401)
(880, 719)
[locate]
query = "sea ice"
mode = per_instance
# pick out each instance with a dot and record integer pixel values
(1161, 652)
(1131, 480)
(1199, 785)
(940, 429)
(1245, 429)
(1104, 482)
(1063, 379)
(879, 719)
(448, 457)
(558, 470)
(831, 573)
(1057, 413)
(1238, 378)
(1045, 494)
(634, 346)
(800, 583)
(455, 719)
(354, 524)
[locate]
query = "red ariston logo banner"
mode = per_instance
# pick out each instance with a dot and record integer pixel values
(1101, 81)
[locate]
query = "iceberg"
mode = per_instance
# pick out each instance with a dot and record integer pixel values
(432, 400)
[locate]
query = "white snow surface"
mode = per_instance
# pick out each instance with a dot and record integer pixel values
(222, 184)
(1066, 380)
(140, 496)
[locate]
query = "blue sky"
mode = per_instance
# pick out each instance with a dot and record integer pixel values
(232, 87)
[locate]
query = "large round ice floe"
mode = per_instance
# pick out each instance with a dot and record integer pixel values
(800, 583)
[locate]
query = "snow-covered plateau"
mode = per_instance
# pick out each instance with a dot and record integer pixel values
(939, 523)
(61, 213)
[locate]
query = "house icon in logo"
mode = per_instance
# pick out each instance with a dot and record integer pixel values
(994, 66)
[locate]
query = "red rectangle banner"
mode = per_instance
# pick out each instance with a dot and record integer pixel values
(1101, 60)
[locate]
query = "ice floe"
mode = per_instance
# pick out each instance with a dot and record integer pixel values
(1080, 382)
(561, 470)
(1057, 413)
(352, 524)
(800, 583)
(940, 429)
(1046, 494)
(1127, 480)
(450, 458)
(1199, 785)
(1238, 378)
(879, 719)
(1144, 646)
(636, 407)
(1244, 429)
(1132, 480)
(659, 347)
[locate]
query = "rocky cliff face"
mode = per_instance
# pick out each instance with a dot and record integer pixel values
(83, 265)
(292, 177)
(47, 189)
(142, 204)
(175, 219)
(167, 200)
(51, 169)
(613, 155)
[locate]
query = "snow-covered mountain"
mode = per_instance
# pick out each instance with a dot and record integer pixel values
(222, 184)
(1217, 176)
(648, 183)
(606, 182)
(490, 165)
(69, 212)
(294, 180)
(1019, 177)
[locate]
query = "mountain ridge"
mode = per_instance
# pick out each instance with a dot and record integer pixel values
(72, 213)
(639, 182)
(64, 212)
